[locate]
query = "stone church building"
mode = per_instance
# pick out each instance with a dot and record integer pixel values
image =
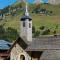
(28, 48)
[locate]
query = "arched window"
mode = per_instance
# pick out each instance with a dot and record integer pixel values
(22, 57)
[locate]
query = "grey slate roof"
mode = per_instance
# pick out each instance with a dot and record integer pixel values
(44, 43)
(50, 55)
(49, 45)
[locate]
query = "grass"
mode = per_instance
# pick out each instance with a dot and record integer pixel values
(48, 21)
(38, 20)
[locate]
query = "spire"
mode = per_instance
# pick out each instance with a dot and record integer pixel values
(26, 11)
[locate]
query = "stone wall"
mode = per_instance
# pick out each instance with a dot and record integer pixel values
(17, 51)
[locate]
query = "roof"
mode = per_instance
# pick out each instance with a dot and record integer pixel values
(21, 42)
(26, 17)
(44, 43)
(40, 44)
(4, 45)
(50, 55)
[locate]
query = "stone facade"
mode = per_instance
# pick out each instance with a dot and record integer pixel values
(26, 32)
(17, 51)
(26, 26)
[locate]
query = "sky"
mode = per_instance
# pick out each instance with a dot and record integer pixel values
(42, 1)
(5, 3)
(31, 1)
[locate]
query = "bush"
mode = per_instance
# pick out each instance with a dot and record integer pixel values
(9, 33)
(46, 32)
(42, 27)
(37, 33)
(57, 27)
(33, 29)
(54, 32)
(2, 30)
(12, 33)
(51, 12)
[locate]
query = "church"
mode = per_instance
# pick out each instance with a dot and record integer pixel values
(28, 48)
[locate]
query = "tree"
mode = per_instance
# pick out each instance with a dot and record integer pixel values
(37, 6)
(42, 27)
(54, 32)
(33, 29)
(37, 33)
(12, 33)
(9, 34)
(46, 32)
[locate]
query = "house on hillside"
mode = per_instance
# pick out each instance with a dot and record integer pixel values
(4, 47)
(28, 48)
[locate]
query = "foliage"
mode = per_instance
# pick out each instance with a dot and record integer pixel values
(37, 6)
(8, 34)
(37, 33)
(42, 27)
(33, 29)
(46, 32)
(52, 22)
(54, 32)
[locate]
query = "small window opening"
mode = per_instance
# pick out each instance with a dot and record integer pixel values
(23, 24)
(22, 57)
(29, 25)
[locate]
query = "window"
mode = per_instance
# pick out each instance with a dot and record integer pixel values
(29, 25)
(23, 24)
(22, 57)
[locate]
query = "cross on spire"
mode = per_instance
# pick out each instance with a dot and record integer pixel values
(26, 12)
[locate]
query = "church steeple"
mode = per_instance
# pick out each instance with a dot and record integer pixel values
(26, 14)
(26, 10)
(26, 25)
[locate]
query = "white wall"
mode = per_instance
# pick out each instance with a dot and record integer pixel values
(26, 32)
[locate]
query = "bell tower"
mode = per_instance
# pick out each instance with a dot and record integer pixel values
(26, 26)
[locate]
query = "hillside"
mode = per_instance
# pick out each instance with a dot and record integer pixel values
(49, 22)
(55, 2)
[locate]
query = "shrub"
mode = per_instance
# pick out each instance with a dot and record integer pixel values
(42, 27)
(37, 33)
(54, 32)
(33, 29)
(46, 32)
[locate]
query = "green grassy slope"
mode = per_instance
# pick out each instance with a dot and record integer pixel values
(38, 20)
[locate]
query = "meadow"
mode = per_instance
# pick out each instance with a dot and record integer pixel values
(38, 20)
